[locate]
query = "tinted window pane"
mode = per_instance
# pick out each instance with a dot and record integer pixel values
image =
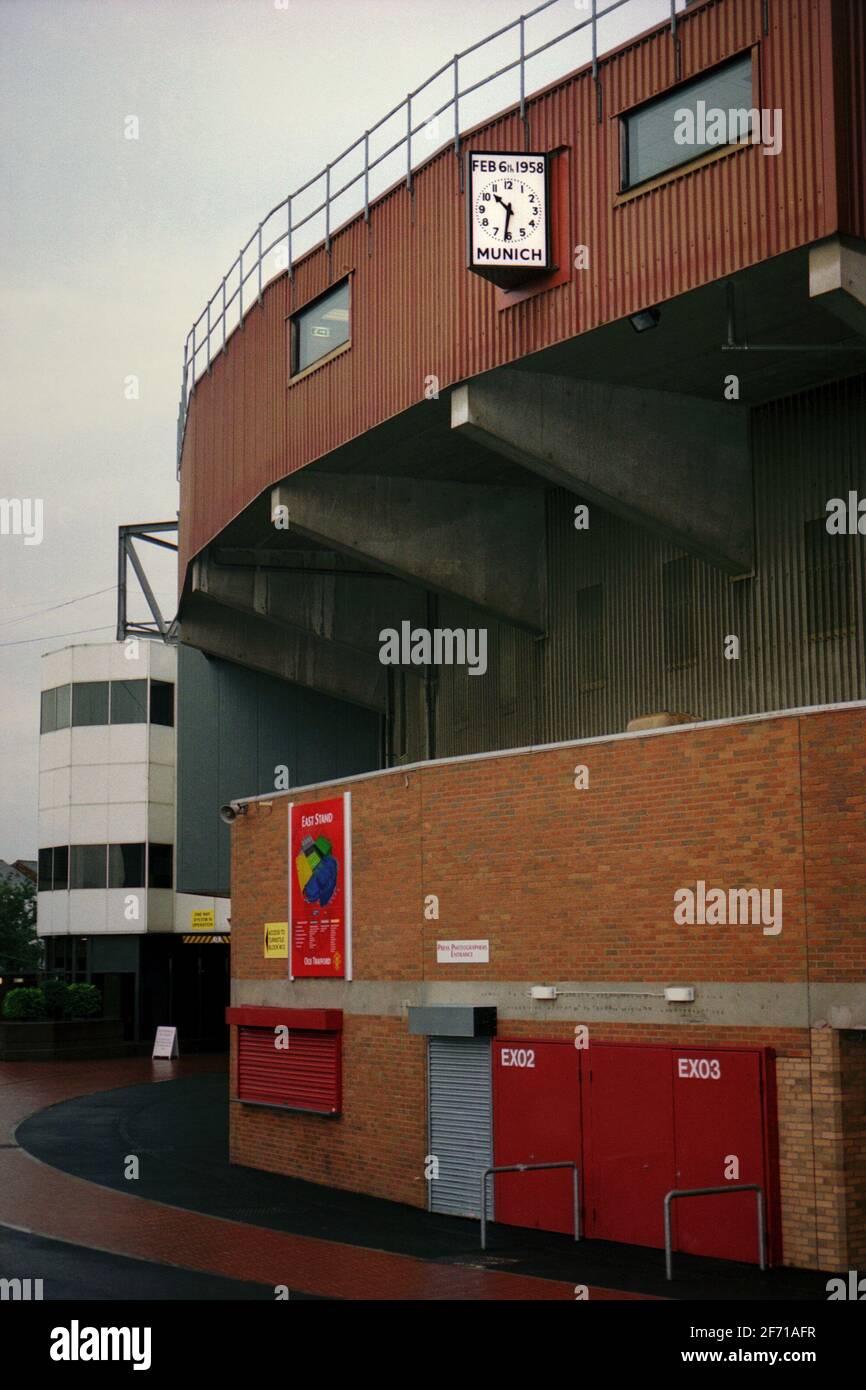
(61, 866)
(322, 327)
(162, 703)
(128, 702)
(64, 701)
(87, 866)
(159, 866)
(46, 870)
(126, 866)
(89, 703)
(660, 136)
(48, 722)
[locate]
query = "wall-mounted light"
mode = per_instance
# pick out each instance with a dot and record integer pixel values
(646, 318)
(680, 994)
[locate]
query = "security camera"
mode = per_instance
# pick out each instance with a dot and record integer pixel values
(231, 811)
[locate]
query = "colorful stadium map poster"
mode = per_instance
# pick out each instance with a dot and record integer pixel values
(320, 888)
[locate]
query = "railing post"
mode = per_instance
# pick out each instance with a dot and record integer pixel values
(224, 313)
(328, 209)
(289, 234)
(457, 104)
(210, 301)
(484, 1177)
(241, 287)
(676, 38)
(409, 142)
(366, 176)
(260, 262)
(523, 120)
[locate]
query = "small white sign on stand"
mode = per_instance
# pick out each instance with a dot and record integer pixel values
(165, 1043)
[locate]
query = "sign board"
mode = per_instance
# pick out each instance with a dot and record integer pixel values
(201, 919)
(165, 1043)
(276, 942)
(462, 952)
(320, 888)
(508, 215)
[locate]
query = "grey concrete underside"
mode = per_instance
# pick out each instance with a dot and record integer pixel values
(837, 280)
(678, 465)
(482, 543)
(716, 1005)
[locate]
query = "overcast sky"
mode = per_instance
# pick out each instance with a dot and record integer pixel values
(111, 246)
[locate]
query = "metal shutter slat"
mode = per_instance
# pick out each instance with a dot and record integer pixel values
(461, 1123)
(305, 1075)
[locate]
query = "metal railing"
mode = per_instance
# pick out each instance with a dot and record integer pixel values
(714, 1192)
(529, 1168)
(277, 234)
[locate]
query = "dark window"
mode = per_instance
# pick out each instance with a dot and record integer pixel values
(159, 866)
(828, 580)
(46, 870)
(129, 702)
(589, 616)
(162, 703)
(320, 327)
(126, 866)
(677, 577)
(48, 721)
(87, 866)
(61, 867)
(673, 129)
(89, 703)
(55, 709)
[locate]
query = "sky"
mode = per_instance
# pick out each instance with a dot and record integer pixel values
(110, 246)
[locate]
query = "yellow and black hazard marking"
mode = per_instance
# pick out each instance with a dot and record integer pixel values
(201, 938)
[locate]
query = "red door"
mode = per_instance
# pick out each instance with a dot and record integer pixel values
(718, 1115)
(628, 1114)
(536, 1119)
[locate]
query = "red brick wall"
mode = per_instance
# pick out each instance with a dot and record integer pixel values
(571, 884)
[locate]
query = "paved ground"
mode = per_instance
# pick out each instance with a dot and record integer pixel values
(189, 1208)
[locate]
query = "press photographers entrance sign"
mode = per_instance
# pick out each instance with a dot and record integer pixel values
(320, 889)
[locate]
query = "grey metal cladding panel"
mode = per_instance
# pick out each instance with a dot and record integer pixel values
(461, 1122)
(197, 773)
(452, 1020)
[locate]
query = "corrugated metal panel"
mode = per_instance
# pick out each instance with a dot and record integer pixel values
(416, 310)
(304, 1076)
(461, 1123)
(806, 450)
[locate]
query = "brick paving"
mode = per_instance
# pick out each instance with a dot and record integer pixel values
(47, 1202)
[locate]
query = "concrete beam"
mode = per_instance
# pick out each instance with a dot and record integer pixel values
(837, 279)
(293, 655)
(349, 610)
(677, 465)
(484, 544)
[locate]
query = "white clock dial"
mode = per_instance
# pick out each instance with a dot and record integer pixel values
(508, 210)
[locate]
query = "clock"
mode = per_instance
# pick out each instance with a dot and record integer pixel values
(508, 216)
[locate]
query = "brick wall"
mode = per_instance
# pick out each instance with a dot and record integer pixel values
(569, 884)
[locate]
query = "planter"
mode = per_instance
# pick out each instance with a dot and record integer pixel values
(51, 1040)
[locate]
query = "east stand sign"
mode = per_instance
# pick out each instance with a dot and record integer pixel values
(320, 889)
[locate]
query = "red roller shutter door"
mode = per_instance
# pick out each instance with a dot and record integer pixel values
(303, 1076)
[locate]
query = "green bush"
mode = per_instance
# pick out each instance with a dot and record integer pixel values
(82, 1001)
(55, 993)
(24, 1004)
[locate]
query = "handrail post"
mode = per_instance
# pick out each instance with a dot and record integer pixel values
(224, 313)
(241, 287)
(289, 234)
(366, 176)
(409, 142)
(456, 104)
(674, 1193)
(260, 262)
(210, 301)
(328, 209)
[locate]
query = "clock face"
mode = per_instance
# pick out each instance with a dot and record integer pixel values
(508, 215)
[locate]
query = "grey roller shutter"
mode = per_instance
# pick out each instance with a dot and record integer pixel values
(461, 1123)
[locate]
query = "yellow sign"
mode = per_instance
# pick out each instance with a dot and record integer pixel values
(202, 919)
(276, 940)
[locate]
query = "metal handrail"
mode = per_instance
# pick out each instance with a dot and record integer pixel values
(198, 345)
(528, 1168)
(714, 1192)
